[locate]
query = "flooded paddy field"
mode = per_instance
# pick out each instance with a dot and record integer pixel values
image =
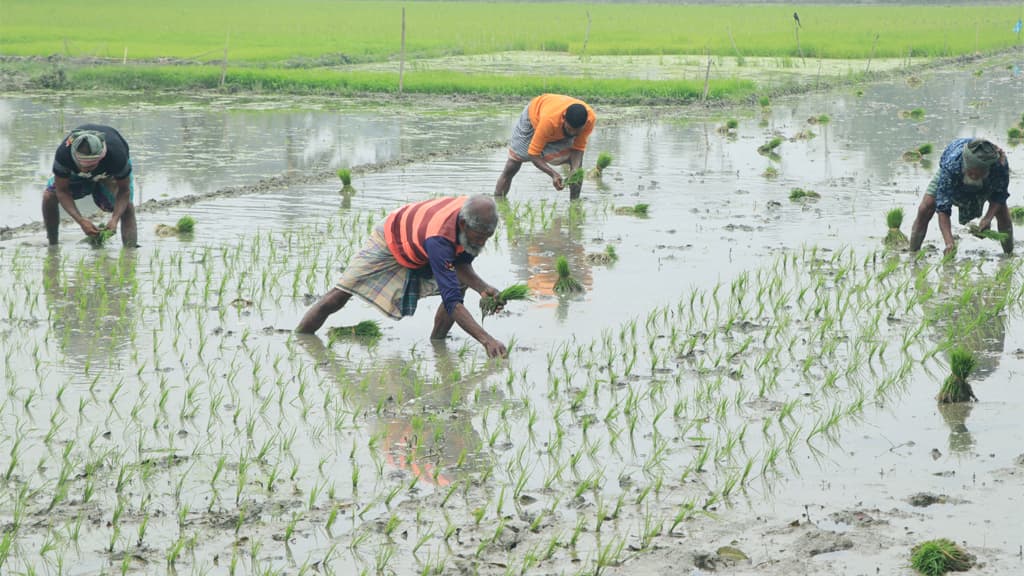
(748, 389)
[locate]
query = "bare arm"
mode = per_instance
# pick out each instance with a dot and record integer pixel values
(467, 276)
(465, 320)
(543, 166)
(947, 232)
(63, 188)
(120, 202)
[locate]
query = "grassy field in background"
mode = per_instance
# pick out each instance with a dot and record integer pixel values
(275, 32)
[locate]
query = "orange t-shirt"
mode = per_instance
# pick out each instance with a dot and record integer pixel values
(546, 114)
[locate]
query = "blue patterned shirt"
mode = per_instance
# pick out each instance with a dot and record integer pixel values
(948, 184)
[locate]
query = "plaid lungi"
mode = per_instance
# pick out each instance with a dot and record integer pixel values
(519, 147)
(374, 275)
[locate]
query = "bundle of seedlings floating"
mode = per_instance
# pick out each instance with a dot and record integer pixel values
(490, 304)
(770, 173)
(913, 81)
(955, 388)
(729, 127)
(185, 225)
(604, 160)
(987, 234)
(915, 114)
(640, 210)
(937, 557)
(895, 239)
(345, 175)
(820, 119)
(765, 102)
(565, 284)
(918, 154)
(365, 330)
(1017, 213)
(576, 178)
(799, 195)
(803, 135)
(99, 240)
(769, 147)
(603, 258)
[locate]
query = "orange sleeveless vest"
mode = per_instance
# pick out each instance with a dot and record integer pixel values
(407, 228)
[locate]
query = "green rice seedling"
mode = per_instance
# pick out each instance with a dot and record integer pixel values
(823, 119)
(895, 239)
(565, 284)
(1015, 134)
(576, 177)
(640, 210)
(345, 175)
(769, 146)
(925, 149)
(489, 304)
(939, 556)
(799, 194)
(604, 160)
(955, 388)
(987, 234)
(186, 225)
(1017, 213)
(365, 330)
(764, 101)
(99, 240)
(770, 173)
(915, 114)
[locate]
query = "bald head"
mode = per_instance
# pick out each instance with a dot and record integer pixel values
(480, 214)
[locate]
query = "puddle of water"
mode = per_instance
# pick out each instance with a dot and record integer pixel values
(151, 366)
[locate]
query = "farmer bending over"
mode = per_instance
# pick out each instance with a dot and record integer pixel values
(91, 160)
(553, 129)
(971, 172)
(420, 250)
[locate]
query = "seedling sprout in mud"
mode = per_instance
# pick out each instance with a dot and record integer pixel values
(565, 284)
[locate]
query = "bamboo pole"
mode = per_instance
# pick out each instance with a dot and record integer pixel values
(224, 62)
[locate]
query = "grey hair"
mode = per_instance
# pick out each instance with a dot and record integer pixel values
(480, 214)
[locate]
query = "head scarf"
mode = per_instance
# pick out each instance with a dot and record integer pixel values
(88, 148)
(979, 155)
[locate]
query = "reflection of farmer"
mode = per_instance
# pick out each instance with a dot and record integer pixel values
(971, 172)
(428, 448)
(91, 310)
(92, 160)
(553, 129)
(420, 250)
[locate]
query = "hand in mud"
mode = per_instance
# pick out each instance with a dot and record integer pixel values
(89, 228)
(950, 251)
(556, 181)
(112, 226)
(984, 224)
(495, 348)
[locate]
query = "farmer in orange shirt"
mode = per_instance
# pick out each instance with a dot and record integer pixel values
(553, 129)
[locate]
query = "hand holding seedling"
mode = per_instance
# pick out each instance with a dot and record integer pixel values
(556, 181)
(89, 228)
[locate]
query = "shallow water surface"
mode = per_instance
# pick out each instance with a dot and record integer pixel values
(750, 371)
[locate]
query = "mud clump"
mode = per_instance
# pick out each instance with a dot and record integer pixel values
(925, 499)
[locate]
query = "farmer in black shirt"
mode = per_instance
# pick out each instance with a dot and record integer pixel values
(91, 160)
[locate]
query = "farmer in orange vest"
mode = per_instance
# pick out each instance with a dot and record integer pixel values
(420, 250)
(553, 129)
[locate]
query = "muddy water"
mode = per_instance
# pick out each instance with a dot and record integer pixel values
(161, 361)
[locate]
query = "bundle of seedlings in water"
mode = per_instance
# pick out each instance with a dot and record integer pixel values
(1017, 213)
(607, 257)
(365, 330)
(490, 304)
(604, 160)
(640, 210)
(99, 240)
(345, 175)
(565, 284)
(937, 557)
(729, 127)
(576, 177)
(956, 389)
(185, 225)
(821, 119)
(895, 238)
(915, 114)
(797, 194)
(918, 154)
(769, 146)
(988, 233)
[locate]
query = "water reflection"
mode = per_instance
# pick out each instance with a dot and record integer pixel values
(92, 307)
(955, 416)
(419, 414)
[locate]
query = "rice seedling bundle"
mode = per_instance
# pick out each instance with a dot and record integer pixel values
(1017, 213)
(937, 557)
(604, 160)
(576, 177)
(365, 330)
(346, 176)
(565, 284)
(797, 194)
(99, 240)
(186, 224)
(988, 234)
(955, 388)
(490, 304)
(634, 210)
(895, 238)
